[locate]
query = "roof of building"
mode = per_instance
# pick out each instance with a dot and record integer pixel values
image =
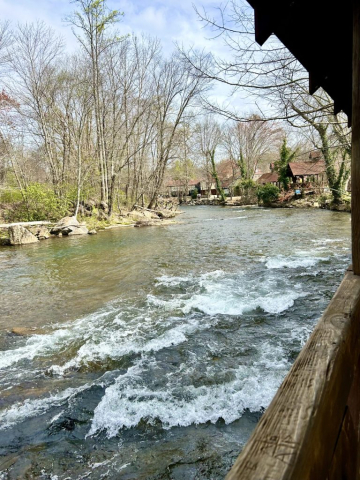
(228, 182)
(227, 169)
(181, 183)
(307, 168)
(324, 52)
(268, 178)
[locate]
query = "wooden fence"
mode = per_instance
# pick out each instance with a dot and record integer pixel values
(310, 431)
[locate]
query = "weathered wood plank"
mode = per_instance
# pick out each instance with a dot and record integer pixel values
(297, 436)
(24, 224)
(355, 149)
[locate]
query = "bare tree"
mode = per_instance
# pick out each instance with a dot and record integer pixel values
(278, 84)
(248, 142)
(33, 57)
(177, 89)
(208, 136)
(90, 26)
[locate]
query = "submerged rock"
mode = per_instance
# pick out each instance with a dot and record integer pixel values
(20, 235)
(69, 226)
(23, 331)
(166, 213)
(147, 223)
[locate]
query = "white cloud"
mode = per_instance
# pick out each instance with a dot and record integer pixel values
(172, 21)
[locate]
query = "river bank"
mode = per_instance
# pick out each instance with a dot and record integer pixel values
(21, 233)
(94, 217)
(293, 201)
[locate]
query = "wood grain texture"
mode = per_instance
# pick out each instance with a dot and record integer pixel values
(355, 161)
(298, 435)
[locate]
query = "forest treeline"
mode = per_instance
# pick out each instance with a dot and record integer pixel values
(103, 122)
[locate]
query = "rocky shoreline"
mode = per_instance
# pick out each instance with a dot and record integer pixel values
(24, 233)
(307, 202)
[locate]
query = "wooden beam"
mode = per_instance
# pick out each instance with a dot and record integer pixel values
(299, 435)
(355, 163)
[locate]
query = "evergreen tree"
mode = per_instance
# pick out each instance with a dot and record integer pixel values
(280, 166)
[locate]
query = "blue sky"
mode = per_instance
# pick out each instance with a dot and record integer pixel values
(169, 20)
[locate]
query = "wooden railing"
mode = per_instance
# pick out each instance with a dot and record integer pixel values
(310, 431)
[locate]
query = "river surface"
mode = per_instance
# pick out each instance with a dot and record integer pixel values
(156, 350)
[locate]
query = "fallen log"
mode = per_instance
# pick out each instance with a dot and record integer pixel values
(24, 224)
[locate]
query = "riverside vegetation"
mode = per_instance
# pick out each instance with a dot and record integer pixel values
(43, 214)
(112, 122)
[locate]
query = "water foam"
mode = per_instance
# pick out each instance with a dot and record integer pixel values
(143, 331)
(49, 344)
(282, 261)
(35, 407)
(130, 400)
(136, 339)
(215, 293)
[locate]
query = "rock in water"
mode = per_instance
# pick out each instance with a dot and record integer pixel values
(23, 331)
(40, 232)
(43, 233)
(69, 226)
(64, 223)
(80, 230)
(20, 235)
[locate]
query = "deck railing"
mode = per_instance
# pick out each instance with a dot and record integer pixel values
(310, 431)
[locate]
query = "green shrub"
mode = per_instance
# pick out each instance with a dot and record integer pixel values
(10, 195)
(248, 183)
(268, 193)
(38, 202)
(244, 187)
(194, 193)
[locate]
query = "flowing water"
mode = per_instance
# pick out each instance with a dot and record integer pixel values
(156, 350)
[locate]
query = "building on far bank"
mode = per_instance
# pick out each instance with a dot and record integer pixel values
(271, 177)
(178, 188)
(313, 171)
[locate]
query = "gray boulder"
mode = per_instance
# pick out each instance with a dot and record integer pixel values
(21, 236)
(69, 226)
(43, 233)
(147, 223)
(80, 230)
(40, 232)
(166, 214)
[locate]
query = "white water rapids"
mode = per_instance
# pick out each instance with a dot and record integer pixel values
(199, 325)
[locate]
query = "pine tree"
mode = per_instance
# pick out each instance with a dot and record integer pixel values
(280, 166)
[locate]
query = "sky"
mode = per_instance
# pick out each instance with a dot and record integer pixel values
(169, 20)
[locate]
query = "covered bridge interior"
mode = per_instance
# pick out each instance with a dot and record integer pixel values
(311, 428)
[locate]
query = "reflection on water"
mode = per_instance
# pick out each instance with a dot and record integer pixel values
(156, 350)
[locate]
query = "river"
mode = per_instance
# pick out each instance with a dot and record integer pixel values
(156, 350)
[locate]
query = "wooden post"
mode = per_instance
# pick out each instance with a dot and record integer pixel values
(355, 196)
(310, 430)
(355, 163)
